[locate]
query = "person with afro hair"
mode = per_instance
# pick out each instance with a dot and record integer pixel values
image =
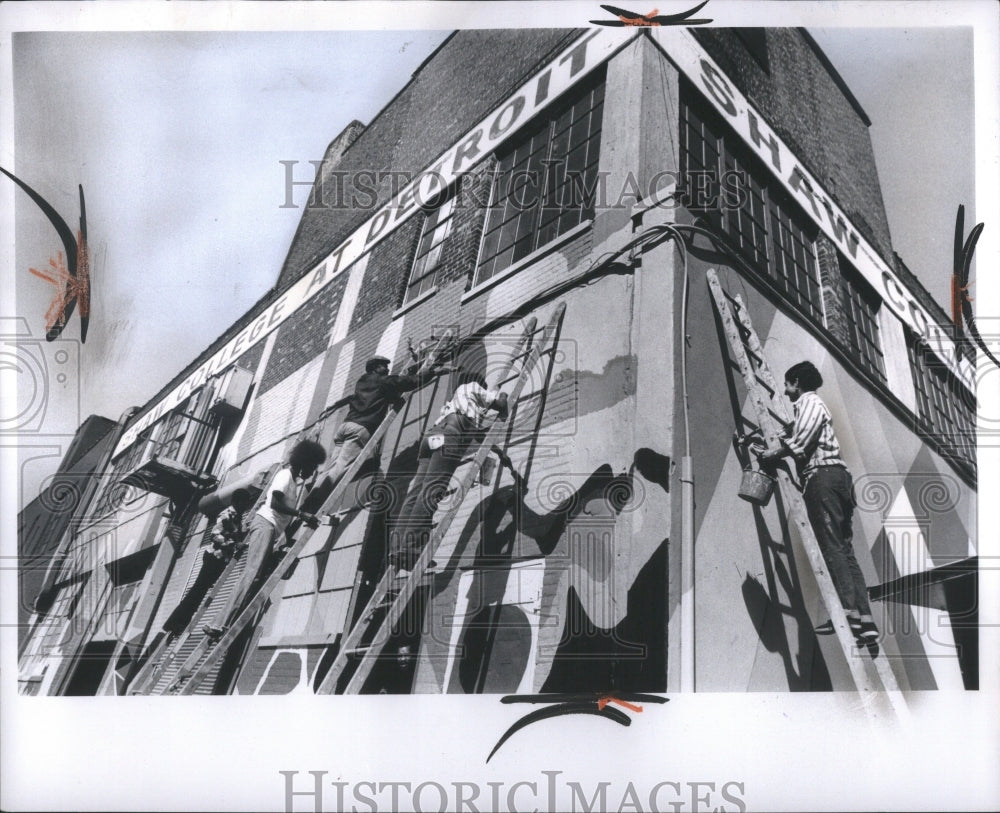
(277, 510)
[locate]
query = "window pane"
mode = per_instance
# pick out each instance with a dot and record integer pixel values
(945, 408)
(534, 199)
(861, 306)
(435, 230)
(766, 228)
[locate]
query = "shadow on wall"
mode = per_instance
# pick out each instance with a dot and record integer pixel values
(632, 656)
(779, 598)
(496, 642)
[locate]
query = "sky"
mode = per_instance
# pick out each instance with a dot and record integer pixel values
(178, 137)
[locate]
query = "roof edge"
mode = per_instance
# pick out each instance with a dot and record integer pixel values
(835, 75)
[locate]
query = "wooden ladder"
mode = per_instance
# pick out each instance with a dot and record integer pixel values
(772, 414)
(389, 600)
(165, 651)
(201, 661)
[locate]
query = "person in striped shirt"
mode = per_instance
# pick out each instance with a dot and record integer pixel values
(828, 491)
(442, 448)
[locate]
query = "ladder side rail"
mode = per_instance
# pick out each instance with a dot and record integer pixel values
(494, 434)
(149, 674)
(351, 641)
(790, 494)
(152, 666)
(204, 643)
(193, 673)
(764, 370)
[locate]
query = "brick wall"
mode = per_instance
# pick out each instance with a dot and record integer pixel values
(804, 105)
(251, 358)
(305, 335)
(831, 288)
(445, 97)
(388, 267)
(459, 255)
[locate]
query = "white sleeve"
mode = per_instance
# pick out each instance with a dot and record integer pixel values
(283, 482)
(485, 397)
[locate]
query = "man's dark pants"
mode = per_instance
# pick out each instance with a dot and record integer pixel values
(829, 498)
(411, 529)
(211, 568)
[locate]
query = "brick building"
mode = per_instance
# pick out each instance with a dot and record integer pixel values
(44, 520)
(517, 171)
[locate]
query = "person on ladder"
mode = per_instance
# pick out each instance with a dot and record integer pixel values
(442, 448)
(828, 493)
(278, 509)
(374, 393)
(227, 536)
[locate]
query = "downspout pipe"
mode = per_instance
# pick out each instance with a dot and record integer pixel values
(686, 605)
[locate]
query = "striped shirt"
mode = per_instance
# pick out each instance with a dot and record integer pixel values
(471, 402)
(812, 438)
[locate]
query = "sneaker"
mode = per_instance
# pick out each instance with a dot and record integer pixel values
(868, 632)
(826, 628)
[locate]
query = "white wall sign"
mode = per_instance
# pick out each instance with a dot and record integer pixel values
(569, 67)
(683, 50)
(574, 63)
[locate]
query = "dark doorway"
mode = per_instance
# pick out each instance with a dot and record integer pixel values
(90, 669)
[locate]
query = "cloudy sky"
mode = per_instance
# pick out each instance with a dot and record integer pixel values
(178, 137)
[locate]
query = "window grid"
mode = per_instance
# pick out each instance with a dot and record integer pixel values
(543, 185)
(436, 228)
(945, 409)
(861, 306)
(700, 148)
(747, 224)
(795, 270)
(766, 227)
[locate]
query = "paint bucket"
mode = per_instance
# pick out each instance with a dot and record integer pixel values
(756, 487)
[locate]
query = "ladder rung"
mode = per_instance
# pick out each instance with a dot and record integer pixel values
(739, 332)
(493, 437)
(364, 650)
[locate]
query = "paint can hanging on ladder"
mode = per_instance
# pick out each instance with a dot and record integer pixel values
(756, 486)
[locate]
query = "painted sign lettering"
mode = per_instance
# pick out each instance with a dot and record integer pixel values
(689, 57)
(574, 63)
(581, 57)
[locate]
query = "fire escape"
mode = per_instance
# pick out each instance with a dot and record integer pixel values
(174, 455)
